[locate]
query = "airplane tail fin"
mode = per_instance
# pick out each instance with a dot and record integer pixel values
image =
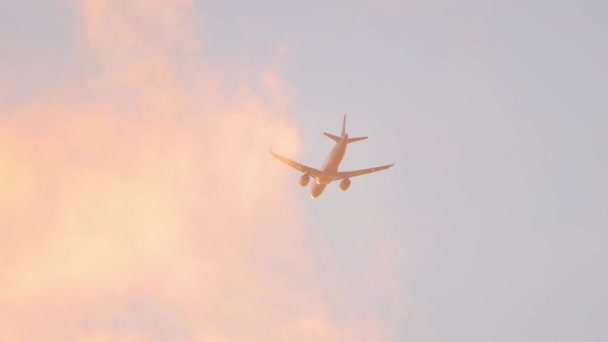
(337, 138)
(349, 140)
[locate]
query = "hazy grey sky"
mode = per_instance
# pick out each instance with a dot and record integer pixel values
(493, 224)
(496, 112)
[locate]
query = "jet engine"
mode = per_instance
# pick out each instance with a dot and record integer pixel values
(344, 184)
(304, 180)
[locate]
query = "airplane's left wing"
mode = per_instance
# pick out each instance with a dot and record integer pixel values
(348, 174)
(300, 167)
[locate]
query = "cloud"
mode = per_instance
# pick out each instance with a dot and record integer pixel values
(139, 202)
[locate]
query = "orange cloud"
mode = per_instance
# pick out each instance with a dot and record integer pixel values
(135, 202)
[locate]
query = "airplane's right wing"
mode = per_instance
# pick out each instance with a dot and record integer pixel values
(348, 174)
(302, 168)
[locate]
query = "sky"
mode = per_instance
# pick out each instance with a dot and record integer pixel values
(139, 201)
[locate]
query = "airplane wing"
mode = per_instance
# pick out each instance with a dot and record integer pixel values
(302, 168)
(348, 174)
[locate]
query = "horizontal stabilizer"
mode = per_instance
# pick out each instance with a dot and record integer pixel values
(332, 137)
(351, 140)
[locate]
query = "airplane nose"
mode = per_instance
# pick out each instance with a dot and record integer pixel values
(316, 191)
(315, 195)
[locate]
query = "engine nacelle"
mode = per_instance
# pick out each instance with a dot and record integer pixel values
(304, 180)
(344, 184)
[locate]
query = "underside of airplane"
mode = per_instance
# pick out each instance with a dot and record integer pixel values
(329, 171)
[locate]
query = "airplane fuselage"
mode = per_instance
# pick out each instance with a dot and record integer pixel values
(329, 170)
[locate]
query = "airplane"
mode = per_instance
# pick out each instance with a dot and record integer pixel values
(329, 171)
